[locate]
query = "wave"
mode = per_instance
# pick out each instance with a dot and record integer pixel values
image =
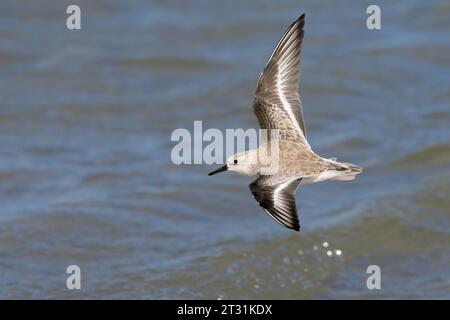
(434, 155)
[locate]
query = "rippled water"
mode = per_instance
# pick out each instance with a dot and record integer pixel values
(86, 176)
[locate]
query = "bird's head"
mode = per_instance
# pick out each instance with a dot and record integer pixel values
(242, 162)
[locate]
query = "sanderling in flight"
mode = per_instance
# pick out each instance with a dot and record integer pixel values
(277, 106)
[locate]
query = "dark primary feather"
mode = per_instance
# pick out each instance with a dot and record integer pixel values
(277, 102)
(277, 197)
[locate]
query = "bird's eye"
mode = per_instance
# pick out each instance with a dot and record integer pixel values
(235, 161)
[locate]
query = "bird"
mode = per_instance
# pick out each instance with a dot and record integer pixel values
(278, 107)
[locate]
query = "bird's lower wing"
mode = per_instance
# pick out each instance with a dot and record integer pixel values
(276, 195)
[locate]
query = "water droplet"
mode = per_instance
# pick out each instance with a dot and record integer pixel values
(300, 252)
(325, 244)
(338, 252)
(329, 253)
(316, 248)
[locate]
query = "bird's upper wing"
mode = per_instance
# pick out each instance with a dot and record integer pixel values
(277, 102)
(276, 194)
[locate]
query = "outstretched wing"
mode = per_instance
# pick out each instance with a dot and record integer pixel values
(277, 197)
(277, 102)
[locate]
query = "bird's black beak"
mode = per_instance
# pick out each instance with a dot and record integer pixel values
(224, 168)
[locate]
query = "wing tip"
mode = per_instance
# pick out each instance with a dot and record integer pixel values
(301, 20)
(295, 226)
(299, 23)
(293, 223)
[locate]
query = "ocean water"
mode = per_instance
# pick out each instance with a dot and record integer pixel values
(86, 176)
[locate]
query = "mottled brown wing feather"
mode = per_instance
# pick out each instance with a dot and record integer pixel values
(277, 102)
(276, 196)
